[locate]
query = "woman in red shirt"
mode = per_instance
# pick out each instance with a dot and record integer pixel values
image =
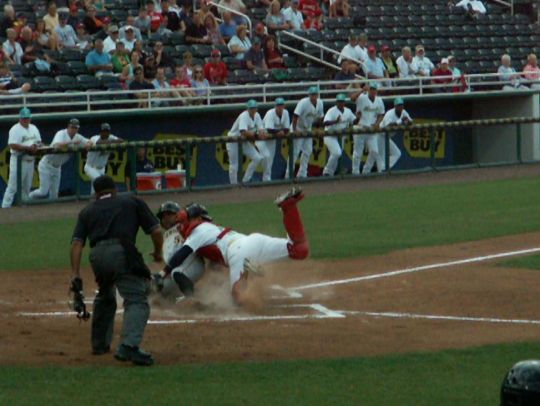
(273, 57)
(312, 13)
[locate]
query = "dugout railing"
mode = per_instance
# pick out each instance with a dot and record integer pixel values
(429, 129)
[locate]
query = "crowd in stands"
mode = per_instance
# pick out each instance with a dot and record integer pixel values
(128, 46)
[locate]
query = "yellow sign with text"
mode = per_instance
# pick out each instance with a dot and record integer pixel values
(418, 142)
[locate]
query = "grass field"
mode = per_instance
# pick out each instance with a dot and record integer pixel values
(345, 225)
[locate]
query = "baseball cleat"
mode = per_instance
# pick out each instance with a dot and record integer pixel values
(252, 269)
(295, 193)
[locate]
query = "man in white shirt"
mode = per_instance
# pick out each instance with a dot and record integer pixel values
(96, 161)
(396, 116)
(248, 126)
(130, 38)
(425, 66)
(509, 75)
(370, 111)
(50, 166)
(276, 122)
(406, 65)
(109, 43)
(67, 38)
(293, 16)
(337, 119)
(352, 52)
(130, 24)
(12, 49)
(24, 138)
(309, 112)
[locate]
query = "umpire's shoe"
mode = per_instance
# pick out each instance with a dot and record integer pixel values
(133, 354)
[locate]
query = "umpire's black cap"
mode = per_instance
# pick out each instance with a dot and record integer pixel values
(104, 183)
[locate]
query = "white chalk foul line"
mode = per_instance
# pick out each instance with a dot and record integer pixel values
(395, 315)
(415, 269)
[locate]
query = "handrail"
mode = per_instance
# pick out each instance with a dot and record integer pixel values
(324, 48)
(509, 4)
(230, 10)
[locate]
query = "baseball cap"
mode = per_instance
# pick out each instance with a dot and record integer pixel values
(385, 48)
(372, 48)
(113, 28)
(251, 104)
(25, 113)
(128, 28)
(105, 127)
(444, 60)
(104, 183)
(398, 101)
(419, 48)
(373, 85)
(80, 25)
(341, 98)
(74, 123)
(215, 52)
(313, 90)
(280, 101)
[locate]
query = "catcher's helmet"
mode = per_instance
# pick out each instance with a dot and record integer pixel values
(521, 385)
(192, 211)
(168, 207)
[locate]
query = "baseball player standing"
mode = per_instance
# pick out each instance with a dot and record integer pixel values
(24, 138)
(309, 112)
(50, 166)
(338, 118)
(396, 116)
(276, 122)
(96, 161)
(370, 111)
(249, 126)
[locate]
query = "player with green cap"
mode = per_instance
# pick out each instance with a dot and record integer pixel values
(396, 116)
(309, 113)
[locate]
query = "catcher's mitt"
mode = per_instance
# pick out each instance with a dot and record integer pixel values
(77, 296)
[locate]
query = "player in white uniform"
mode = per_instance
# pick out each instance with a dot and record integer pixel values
(241, 253)
(338, 118)
(248, 125)
(370, 110)
(23, 138)
(396, 116)
(276, 122)
(309, 112)
(50, 166)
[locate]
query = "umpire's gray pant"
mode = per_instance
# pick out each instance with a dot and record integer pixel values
(108, 261)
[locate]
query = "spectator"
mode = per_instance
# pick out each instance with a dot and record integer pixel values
(65, 33)
(313, 16)
(425, 66)
(235, 5)
(19, 23)
(9, 84)
(442, 75)
(163, 30)
(150, 67)
(240, 43)
(215, 71)
(138, 48)
(173, 6)
(362, 44)
(142, 22)
(29, 46)
(139, 83)
(407, 66)
(339, 8)
(98, 4)
(200, 85)
(43, 38)
(389, 62)
(473, 8)
(275, 20)
(452, 64)
(204, 9)
(73, 18)
(142, 165)
(130, 37)
(182, 84)
(109, 45)
(163, 59)
(186, 15)
(346, 74)
(134, 63)
(375, 66)
(173, 21)
(293, 16)
(12, 49)
(92, 24)
(160, 83)
(254, 58)
(8, 20)
(196, 32)
(120, 60)
(212, 30)
(531, 71)
(98, 61)
(155, 16)
(227, 28)
(260, 33)
(508, 74)
(51, 18)
(130, 25)
(273, 57)
(352, 52)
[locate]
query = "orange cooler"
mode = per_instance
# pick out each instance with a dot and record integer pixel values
(149, 181)
(175, 179)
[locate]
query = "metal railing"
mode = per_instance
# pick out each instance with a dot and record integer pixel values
(509, 4)
(188, 144)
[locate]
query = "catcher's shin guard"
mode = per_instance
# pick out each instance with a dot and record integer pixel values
(299, 247)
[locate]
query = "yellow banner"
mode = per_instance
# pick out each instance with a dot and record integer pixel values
(418, 142)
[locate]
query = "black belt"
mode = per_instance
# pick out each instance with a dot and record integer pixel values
(110, 241)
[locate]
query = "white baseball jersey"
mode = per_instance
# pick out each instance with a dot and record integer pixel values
(391, 118)
(424, 65)
(347, 118)
(244, 122)
(307, 113)
(98, 159)
(172, 242)
(273, 122)
(62, 136)
(406, 69)
(23, 136)
(369, 110)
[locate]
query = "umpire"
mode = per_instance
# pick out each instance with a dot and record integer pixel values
(111, 224)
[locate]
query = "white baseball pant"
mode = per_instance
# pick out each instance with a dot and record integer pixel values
(249, 150)
(267, 149)
(193, 267)
(394, 152)
(304, 148)
(359, 142)
(93, 173)
(335, 148)
(49, 181)
(27, 172)
(372, 141)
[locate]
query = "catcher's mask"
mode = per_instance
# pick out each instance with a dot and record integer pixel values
(192, 211)
(521, 385)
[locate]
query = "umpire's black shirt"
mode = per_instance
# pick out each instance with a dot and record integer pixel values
(116, 217)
